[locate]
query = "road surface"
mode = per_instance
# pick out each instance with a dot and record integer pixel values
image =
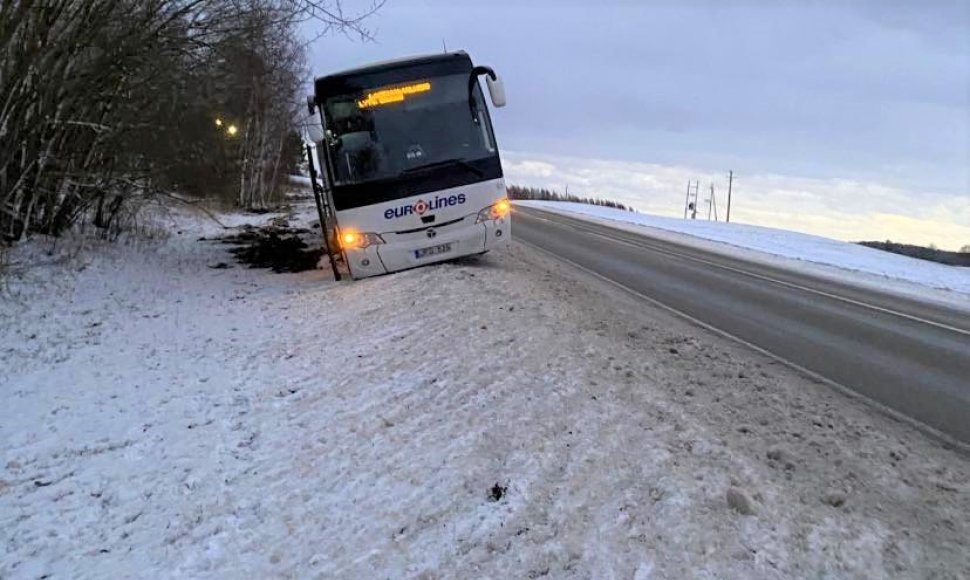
(909, 356)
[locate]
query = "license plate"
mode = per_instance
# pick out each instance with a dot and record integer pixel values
(432, 251)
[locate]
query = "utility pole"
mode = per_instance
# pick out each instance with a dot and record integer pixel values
(710, 203)
(690, 207)
(687, 200)
(697, 185)
(714, 202)
(730, 182)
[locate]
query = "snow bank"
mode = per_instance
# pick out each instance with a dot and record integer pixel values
(814, 254)
(163, 418)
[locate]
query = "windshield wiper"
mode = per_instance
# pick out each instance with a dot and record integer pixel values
(456, 161)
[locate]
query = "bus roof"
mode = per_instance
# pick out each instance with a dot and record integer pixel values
(397, 63)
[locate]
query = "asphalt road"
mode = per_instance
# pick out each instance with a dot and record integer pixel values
(912, 357)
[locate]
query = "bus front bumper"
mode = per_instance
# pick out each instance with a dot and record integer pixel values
(404, 252)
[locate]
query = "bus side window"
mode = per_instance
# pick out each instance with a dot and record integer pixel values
(483, 127)
(480, 120)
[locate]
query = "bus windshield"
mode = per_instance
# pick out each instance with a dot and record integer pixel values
(390, 131)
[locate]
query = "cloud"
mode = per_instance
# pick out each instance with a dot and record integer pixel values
(843, 209)
(869, 99)
(528, 169)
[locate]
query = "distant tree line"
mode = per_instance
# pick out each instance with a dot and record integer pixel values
(961, 258)
(542, 194)
(106, 104)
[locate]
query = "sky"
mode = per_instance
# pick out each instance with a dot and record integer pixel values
(849, 119)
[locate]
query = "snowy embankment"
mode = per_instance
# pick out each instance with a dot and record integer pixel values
(502, 417)
(299, 181)
(816, 255)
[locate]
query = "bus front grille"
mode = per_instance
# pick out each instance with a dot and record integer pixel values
(436, 226)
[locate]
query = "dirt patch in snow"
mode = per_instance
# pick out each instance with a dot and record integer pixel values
(276, 246)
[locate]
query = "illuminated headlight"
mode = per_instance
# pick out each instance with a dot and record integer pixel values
(496, 211)
(349, 240)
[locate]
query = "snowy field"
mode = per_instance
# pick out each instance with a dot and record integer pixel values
(816, 255)
(504, 417)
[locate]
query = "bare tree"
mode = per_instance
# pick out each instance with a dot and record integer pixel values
(106, 102)
(261, 71)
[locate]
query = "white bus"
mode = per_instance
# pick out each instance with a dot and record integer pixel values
(410, 163)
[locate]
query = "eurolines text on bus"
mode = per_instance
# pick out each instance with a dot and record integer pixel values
(421, 206)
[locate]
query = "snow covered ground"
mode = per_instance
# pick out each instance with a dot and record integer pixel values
(493, 418)
(812, 254)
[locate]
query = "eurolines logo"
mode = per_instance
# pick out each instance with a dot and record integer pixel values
(420, 207)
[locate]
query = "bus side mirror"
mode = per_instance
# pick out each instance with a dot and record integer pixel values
(496, 90)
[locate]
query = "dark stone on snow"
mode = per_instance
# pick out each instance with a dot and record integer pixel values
(497, 492)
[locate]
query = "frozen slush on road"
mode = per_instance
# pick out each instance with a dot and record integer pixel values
(503, 416)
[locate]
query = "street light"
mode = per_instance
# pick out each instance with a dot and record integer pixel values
(218, 122)
(232, 130)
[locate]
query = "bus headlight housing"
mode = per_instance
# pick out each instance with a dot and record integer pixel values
(351, 240)
(496, 211)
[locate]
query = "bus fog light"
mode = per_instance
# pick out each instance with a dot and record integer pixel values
(498, 233)
(365, 262)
